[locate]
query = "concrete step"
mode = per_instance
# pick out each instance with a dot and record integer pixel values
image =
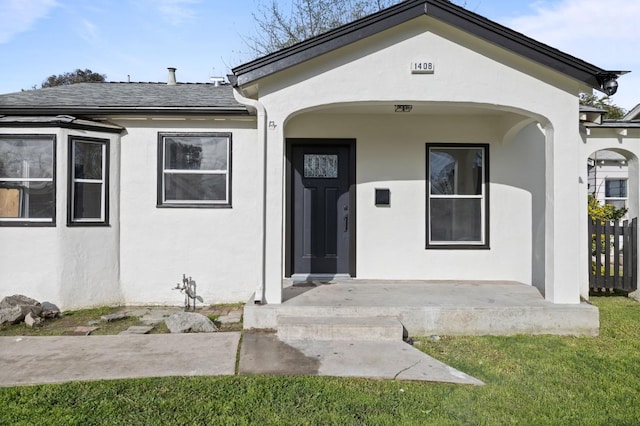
(339, 328)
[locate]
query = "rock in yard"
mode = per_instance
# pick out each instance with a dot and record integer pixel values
(49, 310)
(114, 317)
(17, 300)
(33, 320)
(25, 303)
(190, 322)
(11, 315)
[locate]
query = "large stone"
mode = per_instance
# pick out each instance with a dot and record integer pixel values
(12, 315)
(26, 304)
(114, 317)
(49, 310)
(189, 322)
(33, 320)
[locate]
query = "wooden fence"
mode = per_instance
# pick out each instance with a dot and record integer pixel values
(613, 260)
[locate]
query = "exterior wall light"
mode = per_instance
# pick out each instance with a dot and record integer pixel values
(609, 81)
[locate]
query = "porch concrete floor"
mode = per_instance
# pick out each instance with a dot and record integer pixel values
(431, 307)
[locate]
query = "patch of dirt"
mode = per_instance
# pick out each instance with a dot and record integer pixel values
(225, 317)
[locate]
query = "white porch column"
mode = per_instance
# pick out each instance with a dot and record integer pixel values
(563, 211)
(274, 212)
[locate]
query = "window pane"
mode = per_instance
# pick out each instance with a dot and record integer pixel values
(195, 187)
(615, 188)
(618, 204)
(456, 171)
(88, 160)
(456, 220)
(28, 158)
(87, 201)
(195, 153)
(26, 200)
(320, 166)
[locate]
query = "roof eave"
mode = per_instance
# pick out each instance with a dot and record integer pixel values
(62, 121)
(404, 11)
(31, 111)
(327, 42)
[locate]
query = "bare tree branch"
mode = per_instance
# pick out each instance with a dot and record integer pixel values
(277, 29)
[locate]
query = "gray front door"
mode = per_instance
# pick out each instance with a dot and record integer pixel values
(321, 209)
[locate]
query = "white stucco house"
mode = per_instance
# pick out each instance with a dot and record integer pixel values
(423, 142)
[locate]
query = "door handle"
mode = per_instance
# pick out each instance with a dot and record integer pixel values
(346, 222)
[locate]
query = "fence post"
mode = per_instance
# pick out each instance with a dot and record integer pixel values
(617, 273)
(592, 271)
(634, 254)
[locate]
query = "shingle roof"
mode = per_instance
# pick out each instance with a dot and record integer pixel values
(111, 98)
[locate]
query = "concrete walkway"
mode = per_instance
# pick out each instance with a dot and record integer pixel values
(39, 360)
(265, 353)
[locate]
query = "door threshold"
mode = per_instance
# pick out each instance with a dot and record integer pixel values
(296, 278)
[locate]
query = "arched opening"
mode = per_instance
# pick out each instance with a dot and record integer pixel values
(608, 178)
(612, 185)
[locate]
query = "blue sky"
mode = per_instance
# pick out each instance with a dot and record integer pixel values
(204, 38)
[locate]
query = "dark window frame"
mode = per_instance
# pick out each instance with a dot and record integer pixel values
(485, 244)
(49, 222)
(161, 202)
(71, 220)
(623, 187)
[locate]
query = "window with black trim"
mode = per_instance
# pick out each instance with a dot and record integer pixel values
(88, 181)
(27, 180)
(615, 192)
(457, 196)
(194, 169)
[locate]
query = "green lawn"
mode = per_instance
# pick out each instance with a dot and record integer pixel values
(532, 380)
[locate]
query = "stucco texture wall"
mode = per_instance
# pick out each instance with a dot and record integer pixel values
(391, 153)
(72, 267)
(215, 246)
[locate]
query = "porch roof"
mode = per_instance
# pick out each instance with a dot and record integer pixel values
(442, 10)
(615, 124)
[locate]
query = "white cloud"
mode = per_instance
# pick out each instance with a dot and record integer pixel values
(88, 31)
(176, 12)
(17, 16)
(606, 34)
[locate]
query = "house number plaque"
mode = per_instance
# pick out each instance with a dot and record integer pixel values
(422, 67)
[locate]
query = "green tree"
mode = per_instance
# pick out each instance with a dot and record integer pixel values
(605, 103)
(278, 27)
(77, 76)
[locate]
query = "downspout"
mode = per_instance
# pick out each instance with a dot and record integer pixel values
(261, 114)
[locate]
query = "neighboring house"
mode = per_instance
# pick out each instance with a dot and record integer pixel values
(608, 177)
(423, 142)
(608, 170)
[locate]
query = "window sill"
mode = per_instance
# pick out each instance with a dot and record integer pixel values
(17, 224)
(457, 247)
(193, 206)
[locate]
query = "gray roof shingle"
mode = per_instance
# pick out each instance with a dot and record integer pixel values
(91, 98)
